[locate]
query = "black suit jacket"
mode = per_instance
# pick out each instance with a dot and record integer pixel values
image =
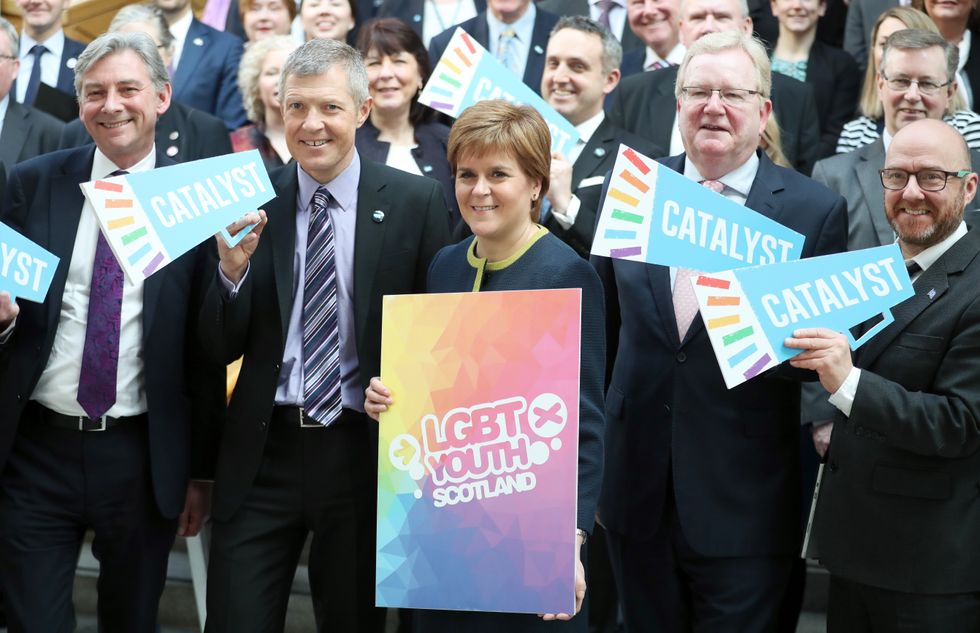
(836, 83)
(899, 500)
(480, 31)
(27, 132)
(597, 158)
(182, 133)
(390, 257)
(43, 201)
(413, 11)
(644, 104)
(731, 455)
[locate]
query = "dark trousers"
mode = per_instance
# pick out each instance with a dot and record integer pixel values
(58, 483)
(319, 480)
(667, 587)
(859, 608)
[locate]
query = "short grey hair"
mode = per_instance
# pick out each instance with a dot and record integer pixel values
(111, 43)
(919, 39)
(612, 50)
(250, 69)
(743, 6)
(317, 56)
(726, 41)
(11, 32)
(149, 14)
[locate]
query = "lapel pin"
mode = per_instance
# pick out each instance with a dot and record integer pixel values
(416, 18)
(378, 216)
(932, 293)
(198, 41)
(174, 135)
(427, 168)
(538, 49)
(599, 152)
(70, 63)
(172, 151)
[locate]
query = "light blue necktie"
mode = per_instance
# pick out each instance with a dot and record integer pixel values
(507, 49)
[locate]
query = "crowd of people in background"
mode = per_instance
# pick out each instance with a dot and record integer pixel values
(855, 124)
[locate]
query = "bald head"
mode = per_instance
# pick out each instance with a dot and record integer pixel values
(933, 135)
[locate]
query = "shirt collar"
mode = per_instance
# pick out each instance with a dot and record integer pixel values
(739, 179)
(587, 128)
(102, 166)
(343, 188)
(55, 44)
(179, 28)
(928, 257)
(523, 27)
(674, 57)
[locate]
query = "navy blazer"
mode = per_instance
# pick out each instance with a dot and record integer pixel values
(207, 76)
(412, 12)
(43, 202)
(66, 68)
(730, 455)
(480, 31)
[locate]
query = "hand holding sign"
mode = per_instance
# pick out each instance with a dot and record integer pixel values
(826, 352)
(244, 239)
(8, 310)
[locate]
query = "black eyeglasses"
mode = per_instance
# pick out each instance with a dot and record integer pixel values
(925, 86)
(927, 179)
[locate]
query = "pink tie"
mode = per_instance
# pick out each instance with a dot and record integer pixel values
(685, 302)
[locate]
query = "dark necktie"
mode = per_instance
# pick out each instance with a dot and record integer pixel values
(913, 267)
(321, 332)
(605, 6)
(32, 83)
(100, 356)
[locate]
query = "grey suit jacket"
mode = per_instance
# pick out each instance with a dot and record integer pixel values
(861, 17)
(27, 132)
(581, 7)
(854, 175)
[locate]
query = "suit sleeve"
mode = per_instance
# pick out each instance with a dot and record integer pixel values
(856, 33)
(847, 85)
(808, 148)
(223, 322)
(229, 106)
(435, 233)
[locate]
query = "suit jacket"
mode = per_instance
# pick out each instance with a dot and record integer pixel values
(412, 12)
(632, 63)
(854, 175)
(480, 31)
(645, 105)
(207, 76)
(43, 201)
(972, 71)
(66, 68)
(390, 257)
(731, 455)
(836, 83)
(898, 505)
(629, 40)
(27, 132)
(183, 134)
(597, 158)
(861, 18)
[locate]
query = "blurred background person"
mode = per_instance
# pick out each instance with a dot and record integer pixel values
(265, 18)
(429, 18)
(182, 133)
(832, 72)
(870, 125)
(401, 132)
(611, 14)
(500, 154)
(46, 54)
(258, 81)
(328, 19)
(655, 23)
(957, 22)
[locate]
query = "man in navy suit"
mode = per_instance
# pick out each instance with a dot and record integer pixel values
(96, 382)
(204, 67)
(46, 54)
(700, 497)
(514, 31)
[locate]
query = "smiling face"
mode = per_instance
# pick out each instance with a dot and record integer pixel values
(265, 18)
(119, 107)
(269, 78)
(393, 80)
(700, 17)
(719, 137)
(327, 19)
(321, 119)
(924, 218)
(494, 196)
(798, 16)
(573, 82)
(654, 22)
(508, 11)
(42, 18)
(949, 10)
(905, 106)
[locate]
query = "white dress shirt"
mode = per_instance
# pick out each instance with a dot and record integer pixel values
(674, 57)
(50, 61)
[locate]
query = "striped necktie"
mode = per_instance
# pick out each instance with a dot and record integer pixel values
(321, 333)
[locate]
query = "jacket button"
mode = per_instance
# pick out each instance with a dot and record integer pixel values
(666, 409)
(263, 424)
(833, 467)
(681, 357)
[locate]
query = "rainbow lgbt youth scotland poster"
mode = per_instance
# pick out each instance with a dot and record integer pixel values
(478, 455)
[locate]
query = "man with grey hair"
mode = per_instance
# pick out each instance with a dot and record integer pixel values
(300, 298)
(581, 67)
(645, 103)
(25, 132)
(98, 385)
(700, 497)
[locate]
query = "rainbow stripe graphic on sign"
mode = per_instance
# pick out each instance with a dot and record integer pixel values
(131, 236)
(455, 69)
(626, 223)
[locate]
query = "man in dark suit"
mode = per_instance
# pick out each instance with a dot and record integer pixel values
(182, 133)
(514, 32)
(412, 12)
(613, 18)
(24, 131)
(701, 497)
(896, 516)
(655, 23)
(204, 66)
(581, 68)
(301, 300)
(645, 103)
(95, 382)
(43, 39)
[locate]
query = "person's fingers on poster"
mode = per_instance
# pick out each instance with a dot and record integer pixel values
(579, 586)
(8, 310)
(377, 398)
(825, 351)
(821, 438)
(234, 260)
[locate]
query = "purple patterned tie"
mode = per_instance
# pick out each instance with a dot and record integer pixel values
(100, 356)
(321, 332)
(605, 6)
